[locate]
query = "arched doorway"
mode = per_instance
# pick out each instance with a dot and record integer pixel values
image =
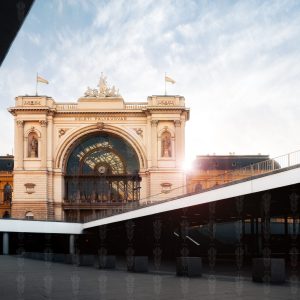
(102, 173)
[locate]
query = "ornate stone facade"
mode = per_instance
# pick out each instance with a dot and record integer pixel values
(47, 134)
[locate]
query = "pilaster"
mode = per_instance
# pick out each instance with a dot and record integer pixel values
(154, 124)
(178, 143)
(19, 145)
(50, 143)
(43, 124)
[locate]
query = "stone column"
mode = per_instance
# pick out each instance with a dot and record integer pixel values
(178, 142)
(72, 244)
(5, 243)
(154, 124)
(43, 144)
(19, 144)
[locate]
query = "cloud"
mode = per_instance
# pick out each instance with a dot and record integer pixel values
(235, 62)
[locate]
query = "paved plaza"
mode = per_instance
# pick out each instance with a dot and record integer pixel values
(34, 280)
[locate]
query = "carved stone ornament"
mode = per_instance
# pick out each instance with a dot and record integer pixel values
(20, 123)
(103, 91)
(177, 123)
(154, 123)
(43, 123)
(139, 131)
(62, 132)
(29, 188)
(166, 187)
(100, 125)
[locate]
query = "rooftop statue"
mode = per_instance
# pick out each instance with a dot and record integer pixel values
(103, 91)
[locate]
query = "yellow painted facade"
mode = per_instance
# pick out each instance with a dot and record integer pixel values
(6, 186)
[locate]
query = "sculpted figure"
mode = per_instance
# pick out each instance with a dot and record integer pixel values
(94, 92)
(166, 145)
(88, 92)
(34, 147)
(102, 85)
(103, 91)
(112, 91)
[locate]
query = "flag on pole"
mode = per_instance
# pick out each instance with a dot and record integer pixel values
(41, 79)
(169, 79)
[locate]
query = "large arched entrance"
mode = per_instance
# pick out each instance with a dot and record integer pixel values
(101, 173)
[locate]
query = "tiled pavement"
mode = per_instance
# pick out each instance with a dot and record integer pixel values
(34, 280)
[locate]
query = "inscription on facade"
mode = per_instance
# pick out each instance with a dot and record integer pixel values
(166, 102)
(32, 102)
(100, 118)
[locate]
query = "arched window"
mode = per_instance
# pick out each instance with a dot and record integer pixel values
(102, 168)
(198, 188)
(166, 144)
(29, 215)
(7, 193)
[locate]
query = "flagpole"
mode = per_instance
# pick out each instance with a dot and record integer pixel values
(165, 85)
(37, 74)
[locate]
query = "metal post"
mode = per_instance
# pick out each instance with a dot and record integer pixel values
(5, 243)
(72, 244)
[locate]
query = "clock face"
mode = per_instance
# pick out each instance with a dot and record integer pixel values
(101, 169)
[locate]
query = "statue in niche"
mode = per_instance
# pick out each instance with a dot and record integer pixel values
(33, 147)
(166, 150)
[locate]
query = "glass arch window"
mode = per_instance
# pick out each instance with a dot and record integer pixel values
(102, 169)
(103, 149)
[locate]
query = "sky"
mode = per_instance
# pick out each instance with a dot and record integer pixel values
(237, 63)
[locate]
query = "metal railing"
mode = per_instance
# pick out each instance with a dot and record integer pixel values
(66, 106)
(136, 105)
(229, 177)
(128, 106)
